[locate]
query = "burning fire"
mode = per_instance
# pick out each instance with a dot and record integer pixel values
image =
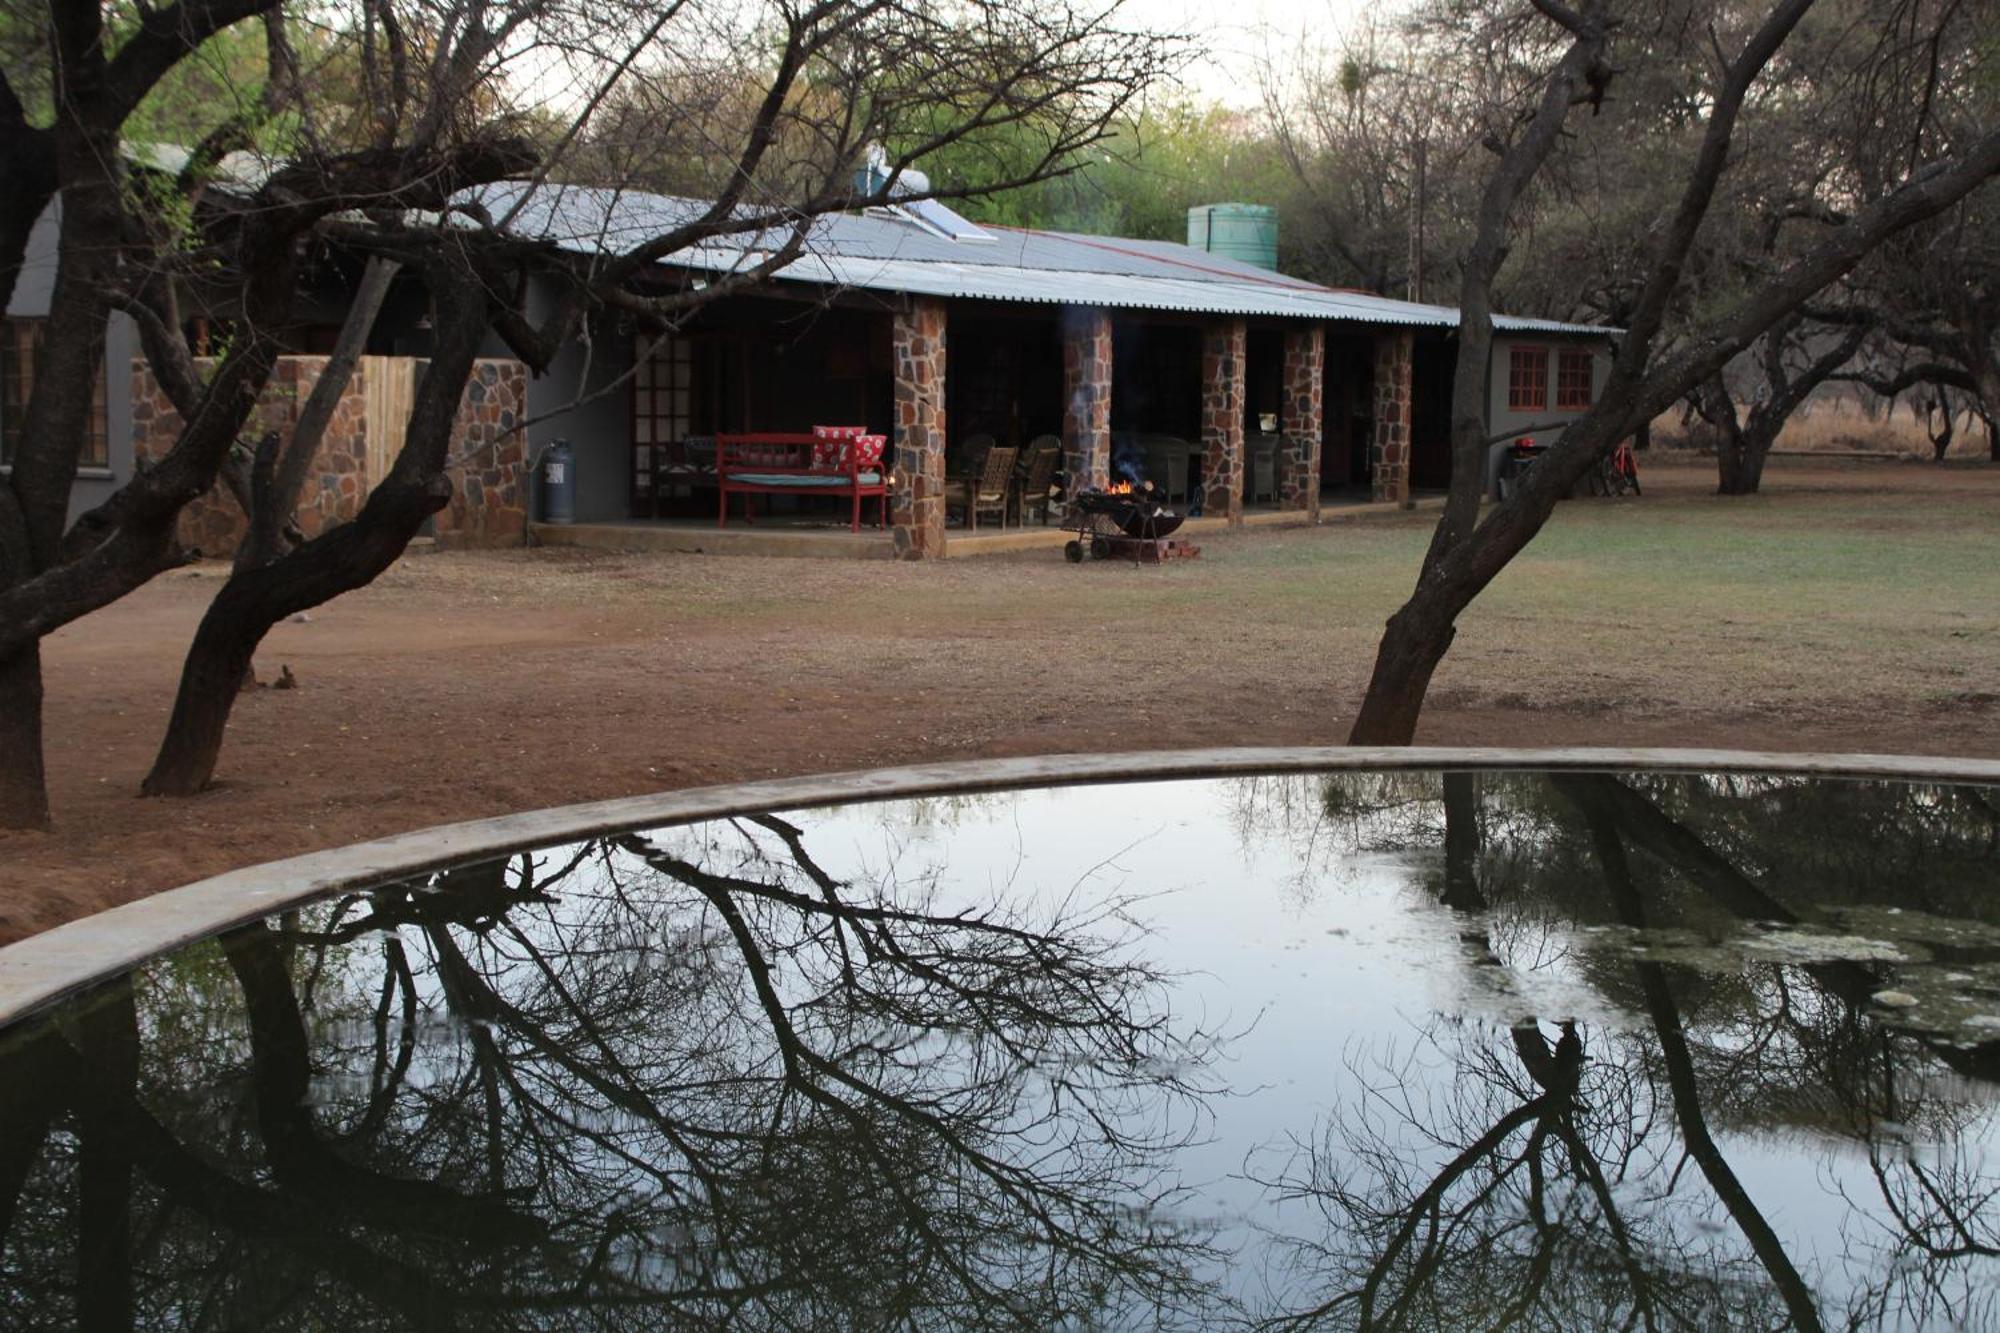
(1119, 488)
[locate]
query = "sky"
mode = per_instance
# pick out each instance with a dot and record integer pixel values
(1238, 39)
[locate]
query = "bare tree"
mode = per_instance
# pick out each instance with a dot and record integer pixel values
(1788, 367)
(387, 174)
(50, 575)
(1468, 551)
(76, 151)
(1929, 315)
(846, 77)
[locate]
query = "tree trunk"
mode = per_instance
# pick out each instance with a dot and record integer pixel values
(1988, 381)
(1418, 636)
(347, 557)
(108, 1051)
(271, 512)
(24, 791)
(1414, 642)
(1684, 1085)
(1740, 459)
(217, 662)
(254, 600)
(1461, 843)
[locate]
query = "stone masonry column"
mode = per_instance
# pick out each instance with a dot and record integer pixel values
(1086, 425)
(916, 499)
(1301, 405)
(1222, 355)
(1389, 451)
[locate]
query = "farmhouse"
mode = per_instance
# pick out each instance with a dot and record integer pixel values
(1226, 384)
(1208, 376)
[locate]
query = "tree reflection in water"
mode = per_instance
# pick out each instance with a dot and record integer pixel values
(688, 1077)
(696, 1077)
(1555, 1187)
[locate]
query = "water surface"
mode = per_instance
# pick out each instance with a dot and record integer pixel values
(1410, 1051)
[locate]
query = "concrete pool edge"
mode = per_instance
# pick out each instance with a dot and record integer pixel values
(46, 968)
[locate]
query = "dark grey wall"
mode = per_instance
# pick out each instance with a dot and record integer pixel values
(599, 430)
(30, 299)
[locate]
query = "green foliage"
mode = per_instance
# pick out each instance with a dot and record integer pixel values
(1140, 182)
(224, 78)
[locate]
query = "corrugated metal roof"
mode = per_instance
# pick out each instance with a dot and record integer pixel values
(878, 251)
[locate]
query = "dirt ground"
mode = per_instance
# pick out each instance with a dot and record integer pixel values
(1850, 608)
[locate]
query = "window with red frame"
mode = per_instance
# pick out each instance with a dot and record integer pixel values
(20, 355)
(1528, 379)
(1573, 376)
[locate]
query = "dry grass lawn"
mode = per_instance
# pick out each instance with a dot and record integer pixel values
(1839, 424)
(1851, 607)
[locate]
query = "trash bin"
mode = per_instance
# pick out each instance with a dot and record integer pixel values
(557, 469)
(1515, 465)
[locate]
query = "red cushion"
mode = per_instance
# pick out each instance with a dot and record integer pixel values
(830, 445)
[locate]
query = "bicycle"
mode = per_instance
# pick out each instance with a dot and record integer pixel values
(1617, 473)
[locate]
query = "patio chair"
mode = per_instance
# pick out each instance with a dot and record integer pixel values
(972, 451)
(1167, 464)
(1263, 485)
(1039, 475)
(988, 491)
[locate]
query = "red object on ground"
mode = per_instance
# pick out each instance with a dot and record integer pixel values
(1625, 463)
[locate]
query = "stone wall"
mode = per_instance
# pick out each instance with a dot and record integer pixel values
(1301, 408)
(214, 523)
(916, 497)
(1086, 430)
(489, 460)
(488, 473)
(1222, 368)
(1389, 451)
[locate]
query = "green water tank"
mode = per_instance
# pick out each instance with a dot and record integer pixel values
(1244, 232)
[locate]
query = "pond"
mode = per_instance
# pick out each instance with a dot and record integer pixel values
(1354, 1050)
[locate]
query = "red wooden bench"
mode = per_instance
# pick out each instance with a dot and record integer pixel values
(791, 464)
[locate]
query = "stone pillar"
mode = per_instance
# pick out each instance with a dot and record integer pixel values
(1300, 417)
(1389, 451)
(1086, 427)
(916, 499)
(489, 471)
(1222, 355)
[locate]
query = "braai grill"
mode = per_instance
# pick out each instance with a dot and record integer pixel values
(1136, 512)
(1131, 523)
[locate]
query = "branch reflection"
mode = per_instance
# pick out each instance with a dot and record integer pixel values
(688, 1076)
(1590, 1183)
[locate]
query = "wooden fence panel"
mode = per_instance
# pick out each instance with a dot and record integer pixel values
(389, 382)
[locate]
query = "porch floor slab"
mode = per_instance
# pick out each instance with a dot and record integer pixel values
(697, 537)
(778, 538)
